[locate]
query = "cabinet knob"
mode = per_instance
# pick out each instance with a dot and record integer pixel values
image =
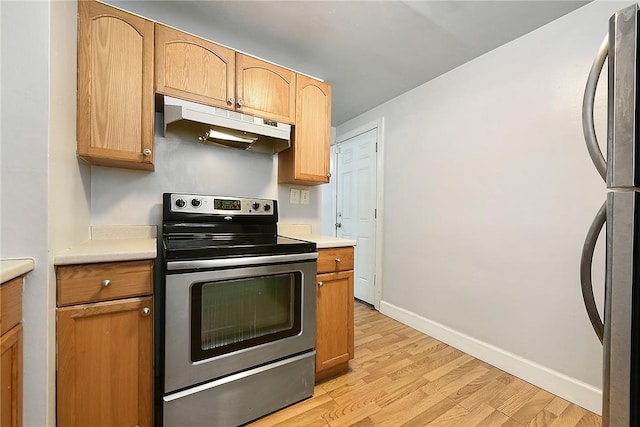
(240, 102)
(320, 284)
(231, 100)
(146, 311)
(329, 175)
(106, 283)
(338, 260)
(146, 152)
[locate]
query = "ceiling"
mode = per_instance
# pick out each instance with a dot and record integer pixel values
(369, 51)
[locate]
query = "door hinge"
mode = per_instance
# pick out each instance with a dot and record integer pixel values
(376, 147)
(375, 213)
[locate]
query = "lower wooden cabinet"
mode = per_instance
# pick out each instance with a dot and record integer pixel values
(11, 378)
(105, 349)
(334, 312)
(11, 353)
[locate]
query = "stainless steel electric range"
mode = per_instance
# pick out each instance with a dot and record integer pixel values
(238, 312)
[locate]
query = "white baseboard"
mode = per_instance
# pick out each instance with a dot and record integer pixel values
(568, 388)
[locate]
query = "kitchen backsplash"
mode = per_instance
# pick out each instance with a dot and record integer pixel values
(120, 196)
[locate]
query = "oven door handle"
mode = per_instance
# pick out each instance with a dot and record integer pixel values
(239, 262)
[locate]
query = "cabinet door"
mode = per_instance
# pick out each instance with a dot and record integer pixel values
(265, 90)
(11, 378)
(195, 69)
(105, 364)
(334, 321)
(115, 87)
(307, 161)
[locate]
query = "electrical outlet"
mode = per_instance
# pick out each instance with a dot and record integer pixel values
(294, 196)
(304, 197)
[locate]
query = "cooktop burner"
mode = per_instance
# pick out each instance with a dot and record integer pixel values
(184, 247)
(210, 227)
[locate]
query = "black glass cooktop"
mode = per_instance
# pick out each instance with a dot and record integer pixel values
(212, 246)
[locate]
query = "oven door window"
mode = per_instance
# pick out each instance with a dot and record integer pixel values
(231, 315)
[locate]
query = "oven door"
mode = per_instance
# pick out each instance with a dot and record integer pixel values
(235, 315)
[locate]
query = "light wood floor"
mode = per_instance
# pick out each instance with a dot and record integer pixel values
(401, 377)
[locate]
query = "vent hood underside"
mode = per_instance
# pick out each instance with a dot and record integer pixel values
(228, 129)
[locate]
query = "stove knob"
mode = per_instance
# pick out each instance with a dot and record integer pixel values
(195, 202)
(255, 206)
(267, 208)
(181, 203)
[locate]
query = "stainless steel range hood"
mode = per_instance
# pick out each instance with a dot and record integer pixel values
(228, 129)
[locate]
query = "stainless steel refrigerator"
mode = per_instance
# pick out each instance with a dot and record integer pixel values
(619, 332)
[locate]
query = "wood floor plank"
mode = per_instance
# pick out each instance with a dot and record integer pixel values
(476, 416)
(400, 388)
(542, 419)
(442, 405)
(457, 379)
(495, 418)
(362, 396)
(589, 420)
(570, 417)
(354, 417)
(402, 410)
(532, 406)
(483, 389)
(402, 377)
(451, 418)
(557, 405)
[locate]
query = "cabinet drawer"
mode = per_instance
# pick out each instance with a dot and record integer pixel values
(335, 259)
(85, 283)
(10, 304)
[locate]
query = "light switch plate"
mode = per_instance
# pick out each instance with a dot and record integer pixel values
(304, 197)
(294, 196)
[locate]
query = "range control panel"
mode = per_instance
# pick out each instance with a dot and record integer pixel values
(220, 205)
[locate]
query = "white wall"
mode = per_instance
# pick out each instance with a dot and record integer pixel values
(24, 177)
(69, 178)
(497, 191)
(44, 190)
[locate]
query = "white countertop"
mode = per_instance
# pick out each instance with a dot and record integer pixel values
(108, 251)
(303, 232)
(12, 268)
(112, 243)
(323, 242)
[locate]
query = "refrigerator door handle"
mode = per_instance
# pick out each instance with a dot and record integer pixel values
(588, 127)
(585, 270)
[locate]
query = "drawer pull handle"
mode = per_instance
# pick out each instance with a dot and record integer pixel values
(146, 311)
(320, 284)
(106, 283)
(338, 260)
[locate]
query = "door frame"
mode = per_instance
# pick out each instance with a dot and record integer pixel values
(378, 125)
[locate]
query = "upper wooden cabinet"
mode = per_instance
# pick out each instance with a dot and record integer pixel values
(265, 90)
(115, 87)
(307, 161)
(194, 69)
(198, 70)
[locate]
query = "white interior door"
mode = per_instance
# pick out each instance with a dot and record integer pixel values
(356, 206)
